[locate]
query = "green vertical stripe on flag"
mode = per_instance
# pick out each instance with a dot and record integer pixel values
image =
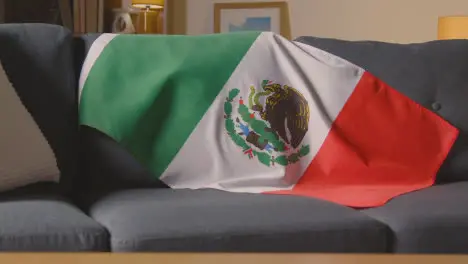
(149, 92)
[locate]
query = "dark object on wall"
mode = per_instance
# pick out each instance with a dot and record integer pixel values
(57, 12)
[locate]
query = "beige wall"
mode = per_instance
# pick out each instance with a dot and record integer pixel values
(399, 21)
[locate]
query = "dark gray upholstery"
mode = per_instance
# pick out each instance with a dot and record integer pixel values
(216, 221)
(38, 59)
(128, 212)
(47, 223)
(434, 74)
(434, 220)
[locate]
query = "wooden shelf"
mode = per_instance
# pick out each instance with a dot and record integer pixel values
(188, 258)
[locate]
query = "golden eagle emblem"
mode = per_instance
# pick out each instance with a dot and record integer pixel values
(284, 108)
(272, 131)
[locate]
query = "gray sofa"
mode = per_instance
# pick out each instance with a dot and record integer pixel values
(105, 201)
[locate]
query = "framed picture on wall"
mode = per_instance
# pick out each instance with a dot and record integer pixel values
(252, 16)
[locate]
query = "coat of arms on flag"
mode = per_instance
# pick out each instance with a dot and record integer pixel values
(271, 130)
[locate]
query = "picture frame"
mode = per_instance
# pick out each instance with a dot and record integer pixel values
(257, 16)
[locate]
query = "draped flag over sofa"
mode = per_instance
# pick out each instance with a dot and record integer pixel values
(254, 112)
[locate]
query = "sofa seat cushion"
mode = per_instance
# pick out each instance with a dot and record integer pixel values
(45, 223)
(216, 221)
(434, 220)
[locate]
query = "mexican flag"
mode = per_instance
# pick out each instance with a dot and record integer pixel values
(254, 112)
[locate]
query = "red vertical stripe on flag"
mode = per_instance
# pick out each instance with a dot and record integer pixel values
(381, 145)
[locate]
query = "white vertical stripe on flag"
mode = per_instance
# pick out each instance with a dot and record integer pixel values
(93, 54)
(209, 159)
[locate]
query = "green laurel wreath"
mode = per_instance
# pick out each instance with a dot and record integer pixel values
(261, 128)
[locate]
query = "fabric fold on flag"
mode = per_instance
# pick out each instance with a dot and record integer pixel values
(254, 112)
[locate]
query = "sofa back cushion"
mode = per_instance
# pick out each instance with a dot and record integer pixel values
(25, 155)
(434, 74)
(38, 60)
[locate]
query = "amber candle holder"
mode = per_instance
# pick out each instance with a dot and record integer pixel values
(453, 27)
